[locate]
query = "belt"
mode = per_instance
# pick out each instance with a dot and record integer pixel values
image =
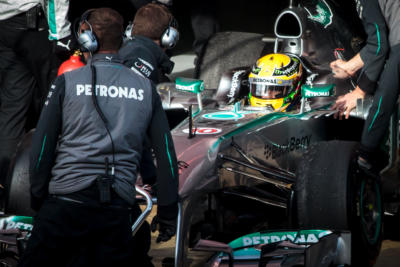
(71, 200)
(67, 199)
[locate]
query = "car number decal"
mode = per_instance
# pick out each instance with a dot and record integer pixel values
(204, 130)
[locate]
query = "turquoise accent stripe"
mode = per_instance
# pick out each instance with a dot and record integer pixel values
(379, 39)
(52, 19)
(41, 152)
(169, 156)
(376, 114)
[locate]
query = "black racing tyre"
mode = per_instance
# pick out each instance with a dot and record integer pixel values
(228, 50)
(333, 193)
(18, 186)
(367, 219)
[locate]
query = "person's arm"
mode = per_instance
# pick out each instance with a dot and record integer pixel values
(44, 143)
(371, 58)
(375, 52)
(162, 143)
(57, 18)
(167, 172)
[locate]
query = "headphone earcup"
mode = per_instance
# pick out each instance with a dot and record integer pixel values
(128, 31)
(169, 38)
(88, 41)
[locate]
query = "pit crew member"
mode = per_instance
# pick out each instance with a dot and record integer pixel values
(84, 189)
(148, 39)
(379, 62)
(30, 31)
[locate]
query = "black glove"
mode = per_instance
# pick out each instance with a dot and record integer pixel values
(65, 47)
(165, 222)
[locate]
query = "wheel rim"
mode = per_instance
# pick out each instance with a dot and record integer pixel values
(370, 210)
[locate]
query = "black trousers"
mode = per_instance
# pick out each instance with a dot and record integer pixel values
(204, 23)
(74, 234)
(384, 102)
(27, 66)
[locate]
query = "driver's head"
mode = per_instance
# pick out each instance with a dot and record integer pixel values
(274, 80)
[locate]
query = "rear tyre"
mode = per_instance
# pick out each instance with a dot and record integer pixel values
(333, 193)
(228, 50)
(18, 186)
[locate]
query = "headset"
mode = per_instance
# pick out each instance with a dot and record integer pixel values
(170, 36)
(87, 39)
(168, 39)
(128, 32)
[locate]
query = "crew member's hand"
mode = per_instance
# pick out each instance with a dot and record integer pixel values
(166, 228)
(346, 103)
(340, 70)
(65, 47)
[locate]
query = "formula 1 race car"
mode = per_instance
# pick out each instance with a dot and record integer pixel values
(269, 183)
(246, 168)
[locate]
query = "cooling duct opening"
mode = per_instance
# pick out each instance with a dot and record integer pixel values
(288, 25)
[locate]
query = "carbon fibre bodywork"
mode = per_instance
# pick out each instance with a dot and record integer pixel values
(240, 158)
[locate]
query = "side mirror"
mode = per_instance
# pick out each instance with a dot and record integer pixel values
(189, 85)
(192, 86)
(318, 90)
(315, 90)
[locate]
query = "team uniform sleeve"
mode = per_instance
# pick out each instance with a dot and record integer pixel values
(376, 49)
(57, 18)
(162, 143)
(44, 143)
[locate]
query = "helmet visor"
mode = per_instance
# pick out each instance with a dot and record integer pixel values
(269, 91)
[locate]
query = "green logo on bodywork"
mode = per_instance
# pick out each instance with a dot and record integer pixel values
(246, 242)
(324, 14)
(189, 85)
(22, 223)
(310, 91)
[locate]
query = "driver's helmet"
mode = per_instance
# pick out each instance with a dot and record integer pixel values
(274, 81)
